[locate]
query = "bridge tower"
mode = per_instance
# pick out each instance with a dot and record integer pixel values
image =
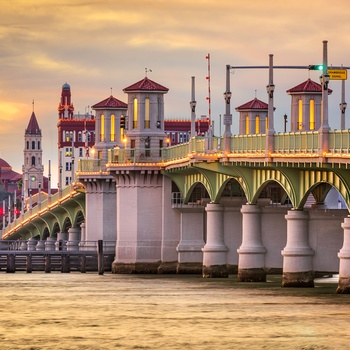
(140, 189)
(253, 117)
(109, 125)
(33, 168)
(306, 106)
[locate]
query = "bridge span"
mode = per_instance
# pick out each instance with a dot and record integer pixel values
(205, 207)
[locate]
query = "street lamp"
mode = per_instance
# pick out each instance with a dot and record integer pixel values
(270, 89)
(227, 96)
(285, 122)
(343, 106)
(324, 79)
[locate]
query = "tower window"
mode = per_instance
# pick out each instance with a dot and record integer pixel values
(27, 144)
(135, 114)
(257, 125)
(147, 114)
(33, 161)
(33, 144)
(39, 145)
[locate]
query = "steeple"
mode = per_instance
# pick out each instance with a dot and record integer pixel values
(32, 169)
(33, 126)
(65, 107)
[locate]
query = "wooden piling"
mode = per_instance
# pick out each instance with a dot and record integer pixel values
(29, 263)
(47, 263)
(65, 263)
(11, 263)
(100, 258)
(83, 264)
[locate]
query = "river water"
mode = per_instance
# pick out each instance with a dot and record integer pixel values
(88, 311)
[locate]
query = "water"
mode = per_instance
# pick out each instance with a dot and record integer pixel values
(88, 311)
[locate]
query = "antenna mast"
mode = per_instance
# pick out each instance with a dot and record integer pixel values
(209, 98)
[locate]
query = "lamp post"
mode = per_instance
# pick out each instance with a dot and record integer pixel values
(227, 115)
(270, 89)
(342, 106)
(285, 122)
(324, 129)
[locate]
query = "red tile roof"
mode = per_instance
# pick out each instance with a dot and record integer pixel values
(146, 85)
(110, 102)
(308, 86)
(253, 104)
(33, 126)
(4, 164)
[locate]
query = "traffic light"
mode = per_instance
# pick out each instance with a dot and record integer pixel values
(315, 67)
(158, 124)
(122, 122)
(1, 211)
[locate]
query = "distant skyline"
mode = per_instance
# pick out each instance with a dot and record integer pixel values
(97, 46)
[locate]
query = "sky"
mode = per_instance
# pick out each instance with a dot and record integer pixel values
(99, 47)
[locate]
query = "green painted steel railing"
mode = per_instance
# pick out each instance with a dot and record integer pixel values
(284, 143)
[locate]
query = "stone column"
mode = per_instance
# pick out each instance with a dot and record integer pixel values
(32, 242)
(61, 243)
(215, 250)
(73, 238)
(251, 262)
(344, 264)
(297, 254)
(50, 243)
(190, 255)
(40, 245)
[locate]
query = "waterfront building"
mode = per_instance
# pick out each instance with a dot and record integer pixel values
(75, 136)
(9, 179)
(33, 169)
(179, 130)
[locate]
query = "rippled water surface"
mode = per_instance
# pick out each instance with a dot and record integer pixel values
(88, 311)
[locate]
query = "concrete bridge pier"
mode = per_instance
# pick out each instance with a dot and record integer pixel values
(73, 238)
(190, 255)
(61, 243)
(297, 254)
(32, 242)
(215, 250)
(251, 262)
(344, 264)
(50, 243)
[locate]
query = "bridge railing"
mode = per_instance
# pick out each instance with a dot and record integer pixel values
(63, 245)
(339, 141)
(295, 142)
(36, 209)
(248, 143)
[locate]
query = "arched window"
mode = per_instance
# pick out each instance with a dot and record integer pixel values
(27, 144)
(300, 115)
(135, 114)
(33, 144)
(33, 160)
(112, 127)
(80, 136)
(102, 134)
(257, 124)
(247, 125)
(147, 113)
(39, 145)
(66, 137)
(312, 114)
(266, 124)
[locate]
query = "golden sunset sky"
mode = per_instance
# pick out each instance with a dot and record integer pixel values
(98, 45)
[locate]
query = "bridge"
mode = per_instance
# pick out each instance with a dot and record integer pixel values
(296, 164)
(249, 204)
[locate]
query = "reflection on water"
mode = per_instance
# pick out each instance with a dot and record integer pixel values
(87, 311)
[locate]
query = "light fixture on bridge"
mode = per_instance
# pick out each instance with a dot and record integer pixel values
(270, 89)
(324, 79)
(227, 96)
(343, 106)
(193, 105)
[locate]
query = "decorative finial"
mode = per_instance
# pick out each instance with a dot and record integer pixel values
(255, 93)
(111, 91)
(33, 105)
(147, 70)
